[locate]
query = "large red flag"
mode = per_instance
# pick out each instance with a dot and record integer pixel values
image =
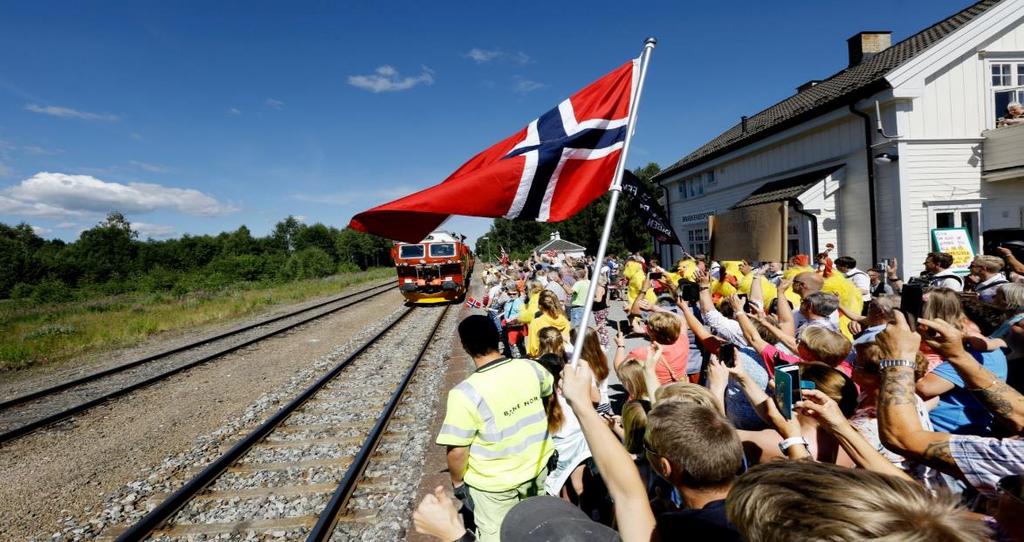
(547, 171)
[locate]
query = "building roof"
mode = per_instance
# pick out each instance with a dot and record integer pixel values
(847, 86)
(785, 189)
(560, 245)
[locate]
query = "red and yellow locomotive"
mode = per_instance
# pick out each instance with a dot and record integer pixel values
(435, 270)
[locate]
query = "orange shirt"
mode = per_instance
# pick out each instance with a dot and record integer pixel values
(676, 355)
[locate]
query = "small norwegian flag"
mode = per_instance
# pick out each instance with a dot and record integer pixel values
(547, 171)
(474, 303)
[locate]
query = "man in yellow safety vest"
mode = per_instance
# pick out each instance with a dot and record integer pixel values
(496, 429)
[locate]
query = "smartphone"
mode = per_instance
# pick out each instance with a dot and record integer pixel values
(787, 388)
(912, 303)
(656, 276)
(727, 354)
(689, 291)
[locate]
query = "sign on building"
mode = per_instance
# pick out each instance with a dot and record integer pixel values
(957, 243)
(754, 233)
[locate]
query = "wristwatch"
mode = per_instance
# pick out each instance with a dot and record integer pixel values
(887, 363)
(784, 445)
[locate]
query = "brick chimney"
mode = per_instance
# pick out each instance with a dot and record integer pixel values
(865, 45)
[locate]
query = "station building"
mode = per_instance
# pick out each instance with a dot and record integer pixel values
(900, 141)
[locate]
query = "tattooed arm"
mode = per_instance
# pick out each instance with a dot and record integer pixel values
(898, 424)
(1004, 402)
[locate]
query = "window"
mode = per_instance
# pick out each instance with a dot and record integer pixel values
(1007, 80)
(442, 250)
(410, 251)
(697, 239)
(692, 187)
(966, 216)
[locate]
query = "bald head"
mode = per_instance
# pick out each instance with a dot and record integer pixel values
(807, 283)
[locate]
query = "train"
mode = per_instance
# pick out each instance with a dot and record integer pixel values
(435, 270)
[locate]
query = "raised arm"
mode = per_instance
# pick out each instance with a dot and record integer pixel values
(898, 424)
(1011, 260)
(825, 409)
(757, 291)
(1004, 402)
(754, 338)
(785, 312)
(706, 303)
(699, 331)
(632, 509)
(766, 408)
(780, 334)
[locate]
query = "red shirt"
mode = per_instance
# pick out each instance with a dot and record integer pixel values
(675, 355)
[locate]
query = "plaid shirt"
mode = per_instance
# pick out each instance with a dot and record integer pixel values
(984, 460)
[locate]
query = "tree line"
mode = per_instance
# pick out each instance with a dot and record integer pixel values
(109, 258)
(629, 233)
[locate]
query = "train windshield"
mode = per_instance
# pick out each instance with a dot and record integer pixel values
(410, 251)
(442, 250)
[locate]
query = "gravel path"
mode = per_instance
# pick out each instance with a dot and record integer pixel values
(54, 481)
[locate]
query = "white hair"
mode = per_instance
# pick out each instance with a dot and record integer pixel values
(1013, 104)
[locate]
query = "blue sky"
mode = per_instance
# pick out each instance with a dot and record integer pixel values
(198, 117)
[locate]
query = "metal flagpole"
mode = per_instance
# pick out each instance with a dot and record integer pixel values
(616, 190)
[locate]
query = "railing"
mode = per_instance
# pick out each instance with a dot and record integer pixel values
(1003, 153)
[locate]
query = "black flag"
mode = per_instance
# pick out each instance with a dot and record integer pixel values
(652, 213)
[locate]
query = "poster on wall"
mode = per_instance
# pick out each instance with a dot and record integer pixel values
(732, 233)
(957, 243)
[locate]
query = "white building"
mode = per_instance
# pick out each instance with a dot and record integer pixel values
(558, 245)
(939, 163)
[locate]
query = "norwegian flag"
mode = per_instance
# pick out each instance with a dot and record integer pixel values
(547, 171)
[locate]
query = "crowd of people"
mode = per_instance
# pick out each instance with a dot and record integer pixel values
(761, 402)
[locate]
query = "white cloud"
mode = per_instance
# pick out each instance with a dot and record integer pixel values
(68, 113)
(155, 231)
(40, 230)
(523, 85)
(300, 218)
(483, 56)
(234, 111)
(152, 168)
(61, 195)
(5, 170)
(272, 103)
(136, 136)
(387, 79)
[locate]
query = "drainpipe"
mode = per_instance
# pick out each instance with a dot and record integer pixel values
(871, 179)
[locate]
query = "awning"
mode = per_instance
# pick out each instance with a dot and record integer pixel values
(786, 189)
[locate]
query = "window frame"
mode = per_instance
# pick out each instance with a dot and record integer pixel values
(936, 208)
(1016, 75)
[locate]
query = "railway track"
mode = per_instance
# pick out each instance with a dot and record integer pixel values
(25, 413)
(294, 476)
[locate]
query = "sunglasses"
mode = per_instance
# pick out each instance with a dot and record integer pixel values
(650, 451)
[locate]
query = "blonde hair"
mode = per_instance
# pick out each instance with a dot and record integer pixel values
(805, 500)
(828, 347)
(992, 264)
(631, 374)
(550, 341)
(944, 304)
(594, 354)
(549, 304)
(832, 383)
(663, 328)
(634, 426)
(686, 392)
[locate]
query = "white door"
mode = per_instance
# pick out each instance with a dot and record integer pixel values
(958, 216)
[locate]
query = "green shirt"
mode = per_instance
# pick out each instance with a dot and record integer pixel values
(579, 293)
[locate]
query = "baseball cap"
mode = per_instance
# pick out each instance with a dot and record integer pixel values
(545, 518)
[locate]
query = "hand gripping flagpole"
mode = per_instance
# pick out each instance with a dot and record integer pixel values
(616, 190)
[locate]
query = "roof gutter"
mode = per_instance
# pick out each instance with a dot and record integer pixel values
(868, 130)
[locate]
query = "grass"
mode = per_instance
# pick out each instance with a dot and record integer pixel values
(32, 335)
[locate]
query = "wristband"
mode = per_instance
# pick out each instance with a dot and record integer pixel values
(786, 444)
(889, 363)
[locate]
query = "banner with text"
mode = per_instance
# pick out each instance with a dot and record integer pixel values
(654, 216)
(957, 243)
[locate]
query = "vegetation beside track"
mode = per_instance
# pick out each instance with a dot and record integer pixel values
(33, 334)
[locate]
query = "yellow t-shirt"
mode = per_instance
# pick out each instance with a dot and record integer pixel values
(539, 323)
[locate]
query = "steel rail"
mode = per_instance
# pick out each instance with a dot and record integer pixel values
(324, 527)
(183, 495)
(135, 363)
(42, 422)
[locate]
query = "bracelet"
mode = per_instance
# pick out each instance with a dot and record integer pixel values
(786, 444)
(622, 346)
(890, 363)
(705, 288)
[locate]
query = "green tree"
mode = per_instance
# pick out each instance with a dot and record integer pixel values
(286, 232)
(107, 250)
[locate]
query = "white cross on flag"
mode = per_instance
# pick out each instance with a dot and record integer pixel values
(548, 171)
